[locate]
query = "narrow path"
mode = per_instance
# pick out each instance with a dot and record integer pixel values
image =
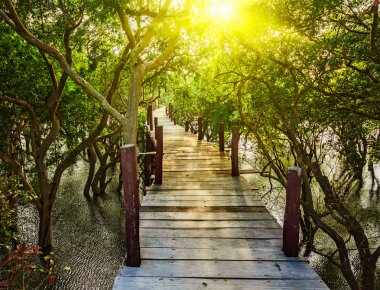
(203, 229)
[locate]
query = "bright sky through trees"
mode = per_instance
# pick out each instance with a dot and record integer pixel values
(221, 10)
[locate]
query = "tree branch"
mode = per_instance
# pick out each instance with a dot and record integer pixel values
(55, 54)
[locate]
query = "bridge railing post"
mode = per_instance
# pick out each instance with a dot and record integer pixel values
(235, 151)
(292, 212)
(150, 117)
(171, 112)
(132, 205)
(221, 137)
(187, 126)
(159, 155)
(155, 123)
(200, 128)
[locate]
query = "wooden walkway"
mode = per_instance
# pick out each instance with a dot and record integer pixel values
(203, 229)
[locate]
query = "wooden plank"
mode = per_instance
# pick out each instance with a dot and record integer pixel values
(203, 192)
(207, 216)
(185, 198)
(190, 168)
(192, 194)
(221, 269)
(198, 158)
(174, 224)
(205, 185)
(179, 176)
(246, 233)
(212, 184)
(193, 203)
(211, 243)
(214, 154)
(204, 150)
(197, 162)
(215, 254)
(193, 174)
(164, 283)
(204, 208)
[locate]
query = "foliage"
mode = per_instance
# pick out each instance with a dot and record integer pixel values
(22, 269)
(19, 266)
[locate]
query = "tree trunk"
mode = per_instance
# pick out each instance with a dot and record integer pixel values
(368, 276)
(44, 231)
(135, 88)
(374, 182)
(91, 170)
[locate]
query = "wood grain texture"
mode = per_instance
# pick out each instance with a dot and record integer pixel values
(221, 269)
(164, 283)
(206, 224)
(205, 216)
(234, 254)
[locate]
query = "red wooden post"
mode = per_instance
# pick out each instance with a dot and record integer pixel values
(221, 137)
(235, 151)
(200, 128)
(170, 112)
(155, 123)
(175, 121)
(159, 155)
(290, 242)
(132, 205)
(150, 117)
(187, 126)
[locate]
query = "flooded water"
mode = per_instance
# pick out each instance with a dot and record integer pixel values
(331, 275)
(88, 235)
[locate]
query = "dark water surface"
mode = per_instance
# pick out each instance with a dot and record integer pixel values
(88, 235)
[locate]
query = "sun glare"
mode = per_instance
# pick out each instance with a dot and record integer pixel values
(221, 10)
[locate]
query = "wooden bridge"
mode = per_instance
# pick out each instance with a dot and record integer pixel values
(203, 229)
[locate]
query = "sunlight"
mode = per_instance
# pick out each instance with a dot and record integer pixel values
(221, 10)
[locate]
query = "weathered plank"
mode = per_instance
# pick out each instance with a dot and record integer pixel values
(193, 203)
(164, 283)
(221, 269)
(206, 216)
(238, 254)
(197, 158)
(197, 162)
(173, 177)
(211, 243)
(185, 198)
(176, 224)
(203, 185)
(191, 168)
(202, 192)
(204, 208)
(245, 233)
